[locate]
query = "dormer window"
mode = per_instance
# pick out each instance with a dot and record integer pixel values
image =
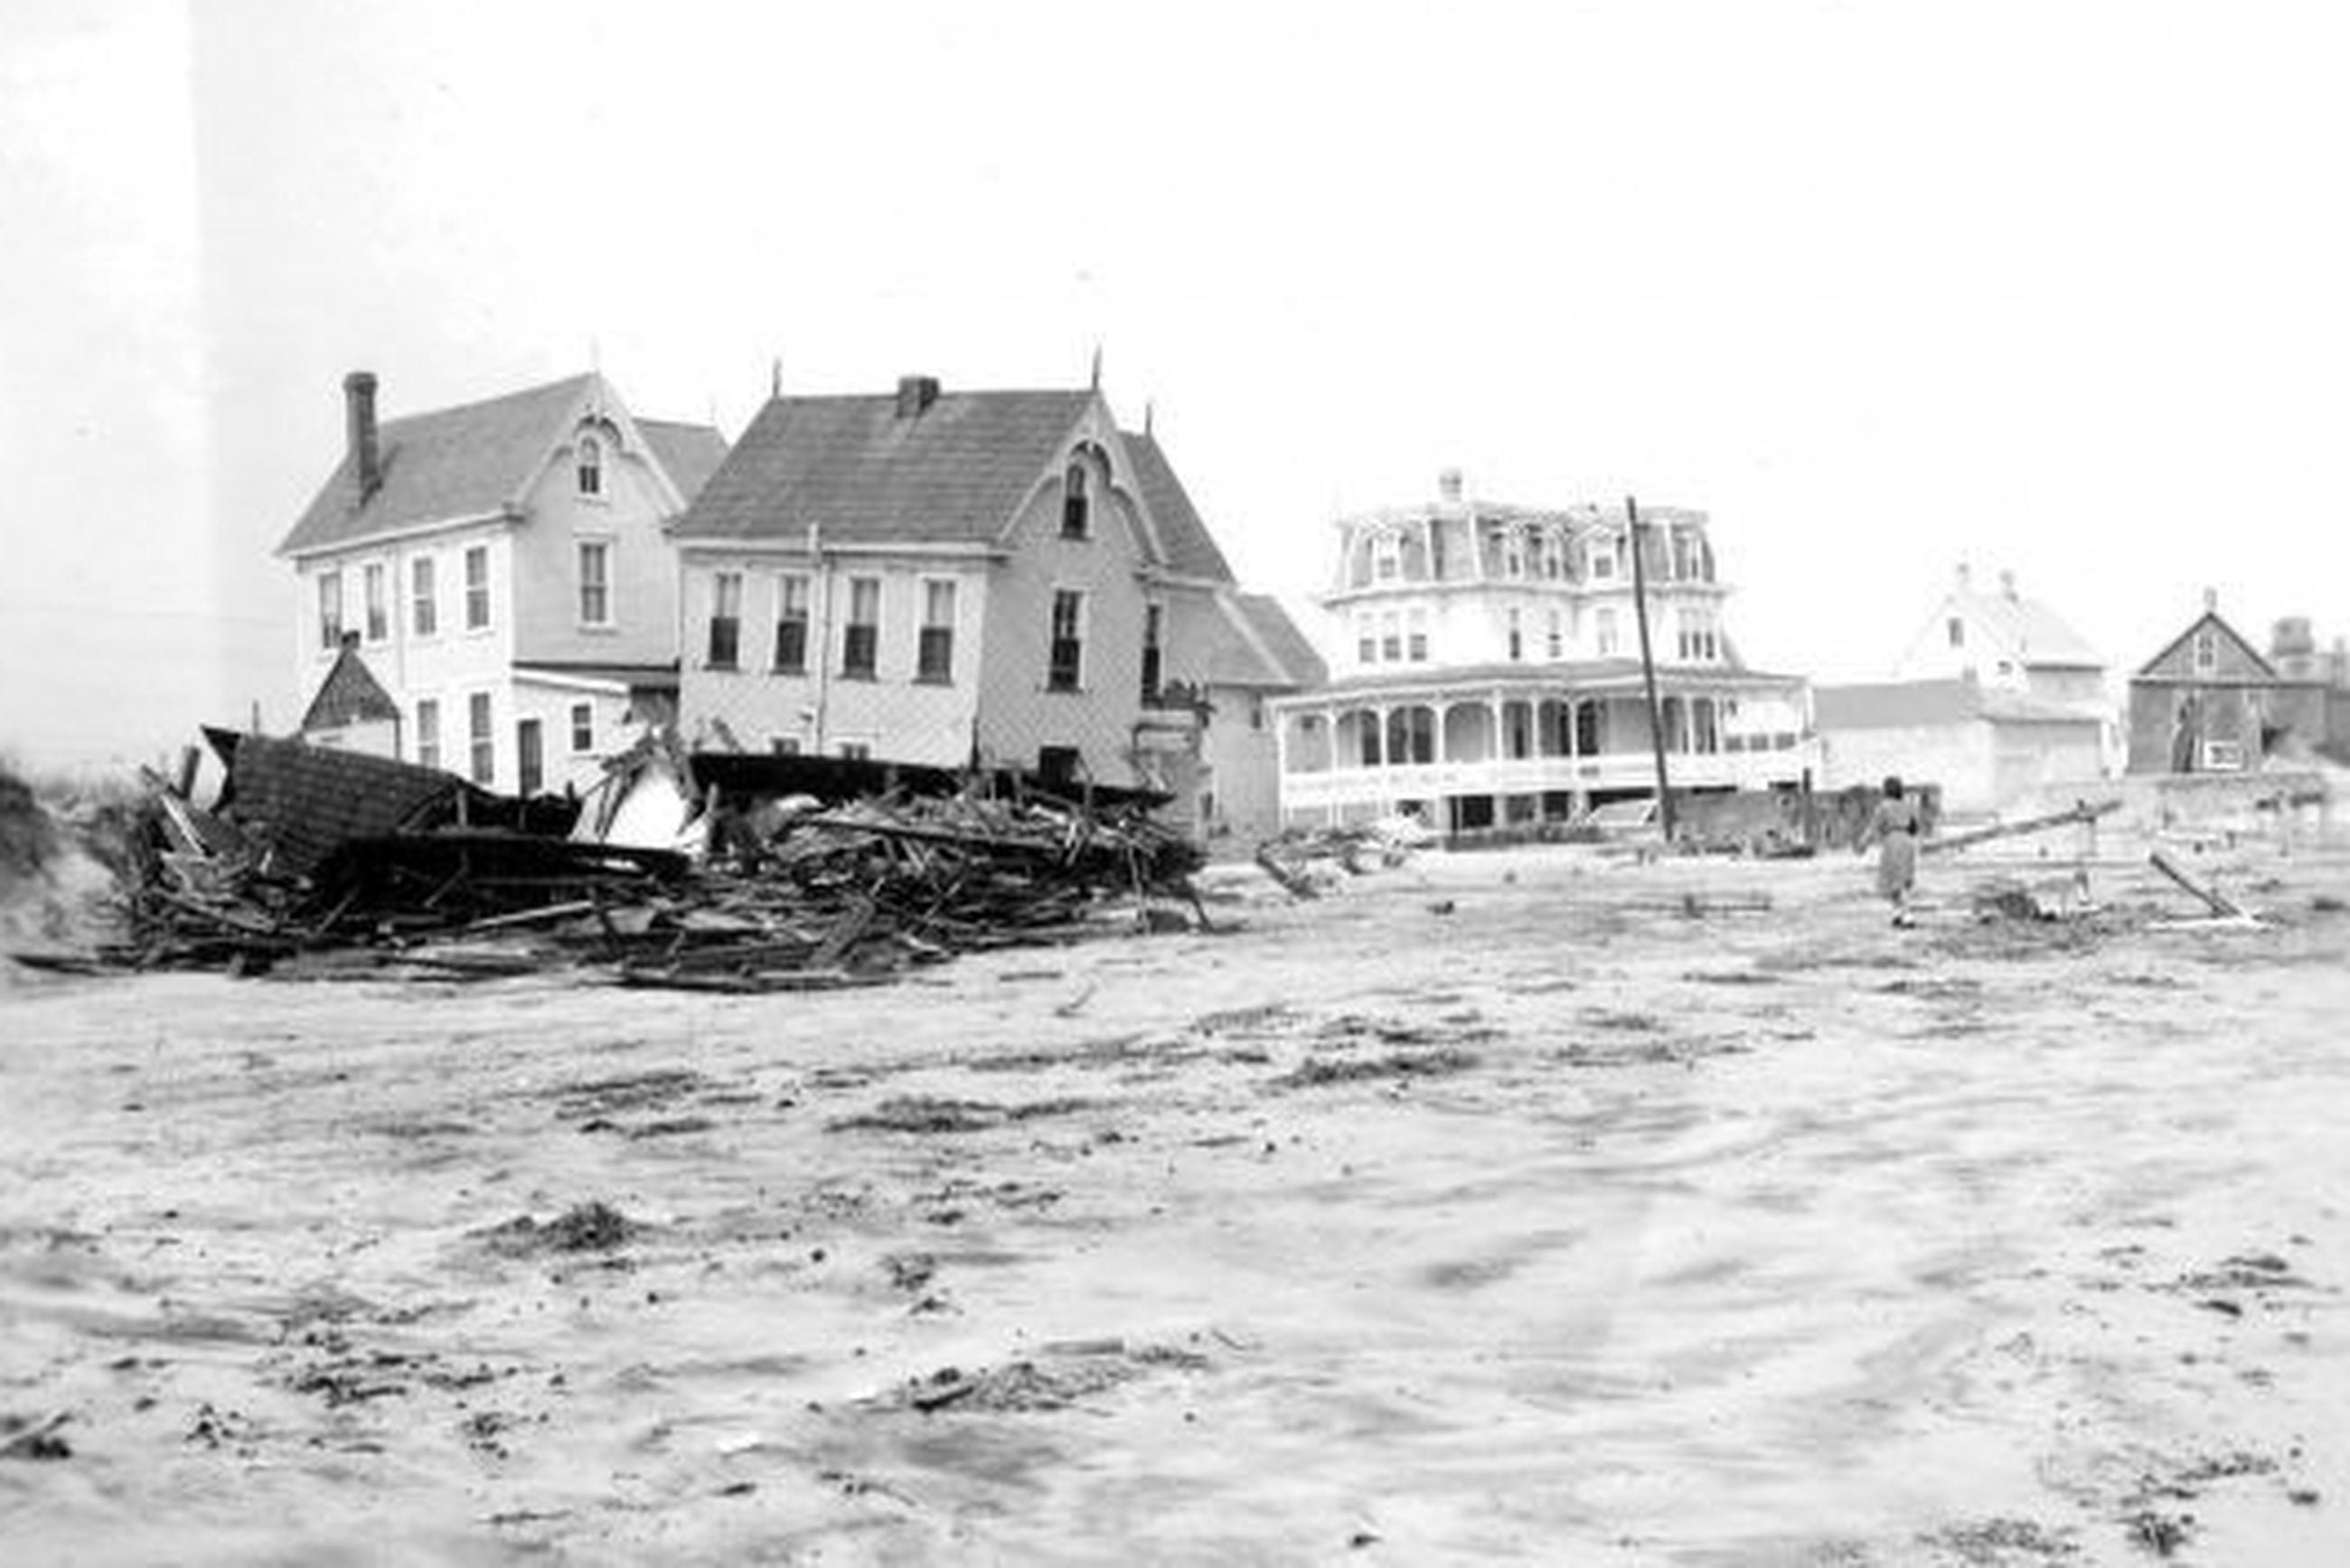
(1077, 502)
(591, 466)
(1386, 558)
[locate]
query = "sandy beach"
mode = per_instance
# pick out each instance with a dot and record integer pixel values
(1524, 1206)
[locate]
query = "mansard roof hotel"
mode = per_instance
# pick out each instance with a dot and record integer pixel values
(1489, 670)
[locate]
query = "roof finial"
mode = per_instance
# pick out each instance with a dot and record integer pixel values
(1096, 381)
(2211, 601)
(1148, 409)
(776, 377)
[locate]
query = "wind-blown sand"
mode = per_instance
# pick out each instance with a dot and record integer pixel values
(1498, 1206)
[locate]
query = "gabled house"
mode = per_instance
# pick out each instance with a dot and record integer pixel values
(2005, 641)
(1997, 702)
(1988, 748)
(2211, 702)
(499, 573)
(941, 577)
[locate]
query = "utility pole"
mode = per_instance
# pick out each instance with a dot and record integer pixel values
(1649, 669)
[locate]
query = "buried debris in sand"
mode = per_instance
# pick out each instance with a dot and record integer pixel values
(591, 1227)
(1051, 1383)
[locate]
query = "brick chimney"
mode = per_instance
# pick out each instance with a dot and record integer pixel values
(359, 428)
(916, 394)
(1448, 484)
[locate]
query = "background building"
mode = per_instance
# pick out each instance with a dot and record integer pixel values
(1997, 700)
(931, 577)
(2210, 701)
(497, 573)
(1490, 670)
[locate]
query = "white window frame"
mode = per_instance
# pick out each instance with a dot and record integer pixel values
(480, 737)
(375, 609)
(602, 547)
(423, 597)
(330, 610)
(930, 588)
(583, 728)
(1052, 628)
(478, 612)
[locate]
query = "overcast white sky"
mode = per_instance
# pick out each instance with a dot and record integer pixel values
(2054, 286)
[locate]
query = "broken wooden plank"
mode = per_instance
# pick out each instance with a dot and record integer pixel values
(2218, 903)
(2078, 812)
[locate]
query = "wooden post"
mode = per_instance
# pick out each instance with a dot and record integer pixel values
(1648, 670)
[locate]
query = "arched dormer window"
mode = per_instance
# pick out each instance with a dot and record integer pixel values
(591, 466)
(1077, 501)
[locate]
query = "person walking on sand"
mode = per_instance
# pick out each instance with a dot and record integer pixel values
(1894, 828)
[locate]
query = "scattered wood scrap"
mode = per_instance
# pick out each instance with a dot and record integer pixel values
(841, 897)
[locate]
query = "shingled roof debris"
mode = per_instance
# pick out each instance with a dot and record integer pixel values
(335, 862)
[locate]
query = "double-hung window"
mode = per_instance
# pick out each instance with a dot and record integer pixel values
(725, 621)
(1152, 654)
(423, 597)
(378, 610)
(595, 582)
(1065, 662)
(477, 586)
(330, 610)
(860, 641)
(934, 662)
(484, 744)
(428, 732)
(791, 625)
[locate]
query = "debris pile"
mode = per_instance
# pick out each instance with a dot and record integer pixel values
(315, 862)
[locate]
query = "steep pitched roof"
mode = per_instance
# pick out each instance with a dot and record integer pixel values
(1191, 548)
(1256, 644)
(2252, 655)
(462, 461)
(953, 474)
(689, 453)
(2037, 634)
(1913, 704)
(350, 695)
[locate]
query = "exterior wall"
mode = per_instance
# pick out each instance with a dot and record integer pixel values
(1239, 767)
(900, 718)
(1958, 756)
(447, 666)
(2084, 687)
(2031, 760)
(551, 702)
(1017, 715)
(2186, 727)
(643, 574)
